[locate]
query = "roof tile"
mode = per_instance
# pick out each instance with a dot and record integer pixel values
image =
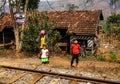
(5, 21)
(80, 22)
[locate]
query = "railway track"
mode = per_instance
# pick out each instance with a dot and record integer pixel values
(48, 76)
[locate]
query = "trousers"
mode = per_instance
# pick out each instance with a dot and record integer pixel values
(75, 56)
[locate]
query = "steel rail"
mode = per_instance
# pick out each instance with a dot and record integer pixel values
(64, 75)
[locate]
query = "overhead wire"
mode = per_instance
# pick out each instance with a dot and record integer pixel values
(51, 6)
(56, 12)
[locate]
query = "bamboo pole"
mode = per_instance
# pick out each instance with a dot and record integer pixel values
(3, 39)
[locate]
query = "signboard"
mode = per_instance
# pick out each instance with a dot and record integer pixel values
(20, 18)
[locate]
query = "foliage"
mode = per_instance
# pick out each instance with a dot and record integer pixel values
(105, 27)
(101, 57)
(114, 18)
(30, 34)
(113, 56)
(69, 56)
(54, 36)
(36, 23)
(32, 4)
(112, 26)
(114, 22)
(117, 30)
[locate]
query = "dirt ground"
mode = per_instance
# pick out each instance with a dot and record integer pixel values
(108, 69)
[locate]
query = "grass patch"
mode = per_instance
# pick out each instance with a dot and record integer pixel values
(5, 52)
(69, 56)
(113, 56)
(101, 57)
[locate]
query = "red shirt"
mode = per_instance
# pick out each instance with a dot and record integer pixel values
(75, 48)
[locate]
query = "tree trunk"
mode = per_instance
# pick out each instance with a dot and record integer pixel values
(23, 26)
(18, 5)
(17, 40)
(26, 4)
(16, 30)
(18, 35)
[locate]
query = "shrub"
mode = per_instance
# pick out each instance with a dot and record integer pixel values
(36, 23)
(113, 56)
(101, 57)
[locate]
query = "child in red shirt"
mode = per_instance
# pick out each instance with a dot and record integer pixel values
(75, 49)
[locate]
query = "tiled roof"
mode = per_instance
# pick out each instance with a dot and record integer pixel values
(5, 21)
(78, 22)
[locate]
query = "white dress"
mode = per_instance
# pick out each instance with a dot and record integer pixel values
(44, 51)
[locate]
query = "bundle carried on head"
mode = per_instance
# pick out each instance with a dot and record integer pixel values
(42, 32)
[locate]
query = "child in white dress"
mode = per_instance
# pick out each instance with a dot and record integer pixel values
(44, 54)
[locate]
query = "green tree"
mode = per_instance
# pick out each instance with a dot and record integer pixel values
(107, 30)
(111, 27)
(32, 4)
(36, 23)
(114, 24)
(117, 31)
(14, 6)
(105, 27)
(113, 19)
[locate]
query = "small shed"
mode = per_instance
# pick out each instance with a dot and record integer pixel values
(6, 30)
(78, 24)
